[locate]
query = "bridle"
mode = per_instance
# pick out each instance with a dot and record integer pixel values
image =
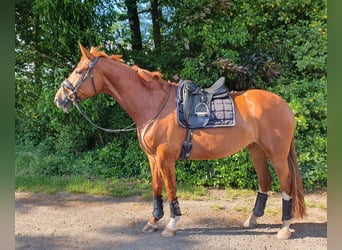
(66, 84)
(75, 99)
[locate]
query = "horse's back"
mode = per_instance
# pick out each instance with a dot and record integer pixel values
(261, 104)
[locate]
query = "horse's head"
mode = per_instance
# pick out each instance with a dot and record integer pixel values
(80, 84)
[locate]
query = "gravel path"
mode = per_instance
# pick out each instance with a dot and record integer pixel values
(68, 221)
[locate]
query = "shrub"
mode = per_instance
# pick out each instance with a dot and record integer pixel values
(308, 100)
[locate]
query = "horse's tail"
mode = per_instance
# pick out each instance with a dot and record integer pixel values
(297, 192)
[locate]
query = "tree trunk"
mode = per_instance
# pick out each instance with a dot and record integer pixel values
(156, 15)
(134, 24)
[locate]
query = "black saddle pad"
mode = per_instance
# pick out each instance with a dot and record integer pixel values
(222, 113)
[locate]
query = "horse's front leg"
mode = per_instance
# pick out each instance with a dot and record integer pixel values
(157, 186)
(166, 166)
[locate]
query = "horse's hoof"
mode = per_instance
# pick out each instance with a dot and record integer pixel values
(284, 233)
(167, 232)
(251, 221)
(150, 228)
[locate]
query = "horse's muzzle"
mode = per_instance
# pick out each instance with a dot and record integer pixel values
(63, 102)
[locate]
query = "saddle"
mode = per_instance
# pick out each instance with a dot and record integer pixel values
(204, 107)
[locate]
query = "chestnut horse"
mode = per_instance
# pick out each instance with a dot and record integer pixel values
(264, 125)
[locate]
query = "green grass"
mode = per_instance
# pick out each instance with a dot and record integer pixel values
(191, 192)
(131, 187)
(242, 209)
(113, 187)
(218, 207)
(236, 193)
(313, 204)
(109, 187)
(81, 185)
(126, 188)
(273, 211)
(42, 184)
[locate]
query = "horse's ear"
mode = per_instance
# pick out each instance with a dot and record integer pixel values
(85, 52)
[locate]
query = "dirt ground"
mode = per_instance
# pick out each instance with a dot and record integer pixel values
(69, 221)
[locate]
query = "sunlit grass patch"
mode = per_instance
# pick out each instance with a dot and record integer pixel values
(273, 211)
(218, 207)
(237, 193)
(81, 185)
(48, 185)
(322, 206)
(191, 192)
(126, 188)
(243, 210)
(312, 204)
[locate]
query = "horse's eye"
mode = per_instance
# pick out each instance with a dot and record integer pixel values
(78, 72)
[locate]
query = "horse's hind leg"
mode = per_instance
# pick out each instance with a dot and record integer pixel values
(157, 186)
(264, 179)
(283, 172)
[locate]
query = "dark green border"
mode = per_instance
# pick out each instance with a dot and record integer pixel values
(334, 124)
(7, 125)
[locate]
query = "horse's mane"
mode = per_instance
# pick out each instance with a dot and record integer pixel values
(144, 74)
(98, 53)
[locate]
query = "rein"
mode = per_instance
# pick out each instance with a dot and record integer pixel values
(128, 128)
(76, 101)
(84, 114)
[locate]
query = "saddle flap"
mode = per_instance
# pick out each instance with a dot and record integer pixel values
(204, 107)
(191, 87)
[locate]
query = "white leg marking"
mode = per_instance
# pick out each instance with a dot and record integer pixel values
(173, 223)
(286, 196)
(260, 190)
(171, 228)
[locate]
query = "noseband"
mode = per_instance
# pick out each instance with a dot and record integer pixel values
(66, 84)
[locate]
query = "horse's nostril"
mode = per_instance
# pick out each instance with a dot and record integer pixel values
(63, 103)
(58, 101)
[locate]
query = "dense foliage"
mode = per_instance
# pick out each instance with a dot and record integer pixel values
(276, 45)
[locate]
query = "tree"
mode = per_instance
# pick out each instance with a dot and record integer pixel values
(156, 16)
(134, 24)
(47, 33)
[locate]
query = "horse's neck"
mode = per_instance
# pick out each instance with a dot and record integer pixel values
(125, 86)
